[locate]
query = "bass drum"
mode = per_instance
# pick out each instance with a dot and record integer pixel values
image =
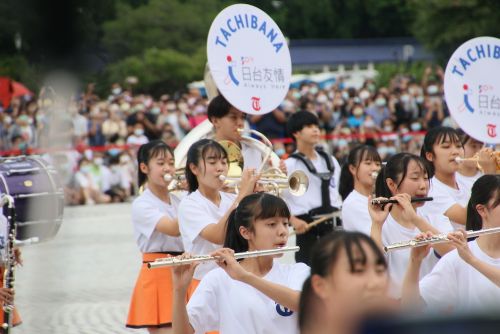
(38, 196)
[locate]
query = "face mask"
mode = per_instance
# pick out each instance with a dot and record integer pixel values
(364, 94)
(433, 89)
(391, 150)
(85, 169)
(124, 159)
(116, 91)
(405, 98)
(314, 90)
(382, 150)
(98, 161)
(415, 126)
(7, 120)
(369, 123)
(345, 95)
(380, 102)
(296, 95)
(138, 132)
(357, 112)
(387, 128)
(280, 151)
(155, 111)
(322, 98)
(342, 142)
(420, 99)
(371, 87)
(114, 152)
(115, 168)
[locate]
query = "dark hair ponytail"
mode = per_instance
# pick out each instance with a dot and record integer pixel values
(251, 208)
(484, 189)
(197, 153)
(396, 169)
(148, 151)
(355, 158)
(307, 303)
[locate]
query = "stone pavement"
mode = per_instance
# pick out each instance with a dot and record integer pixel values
(81, 281)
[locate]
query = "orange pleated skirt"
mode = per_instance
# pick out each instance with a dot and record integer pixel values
(16, 319)
(151, 303)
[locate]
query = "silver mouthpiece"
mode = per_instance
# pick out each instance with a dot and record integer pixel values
(374, 175)
(222, 177)
(168, 177)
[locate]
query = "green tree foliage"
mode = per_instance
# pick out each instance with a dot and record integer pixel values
(159, 70)
(163, 24)
(443, 25)
(341, 19)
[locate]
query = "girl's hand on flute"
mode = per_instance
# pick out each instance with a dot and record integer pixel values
(418, 254)
(378, 213)
(182, 275)
(227, 262)
(459, 239)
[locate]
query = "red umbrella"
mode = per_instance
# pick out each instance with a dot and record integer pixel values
(10, 89)
(18, 89)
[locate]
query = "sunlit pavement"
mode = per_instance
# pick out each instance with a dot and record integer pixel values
(81, 281)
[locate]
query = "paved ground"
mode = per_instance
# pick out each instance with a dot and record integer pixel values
(81, 281)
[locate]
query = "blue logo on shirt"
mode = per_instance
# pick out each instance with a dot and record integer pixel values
(283, 311)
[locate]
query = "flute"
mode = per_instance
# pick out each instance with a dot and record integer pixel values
(436, 239)
(413, 200)
(174, 261)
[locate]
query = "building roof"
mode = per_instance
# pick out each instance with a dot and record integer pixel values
(314, 53)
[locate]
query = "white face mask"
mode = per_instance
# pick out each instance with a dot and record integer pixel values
(405, 98)
(364, 94)
(155, 111)
(99, 161)
(116, 91)
(415, 126)
(380, 102)
(388, 128)
(85, 169)
(322, 98)
(313, 90)
(432, 89)
(369, 123)
(138, 132)
(124, 159)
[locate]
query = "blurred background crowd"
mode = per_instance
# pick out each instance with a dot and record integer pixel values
(96, 137)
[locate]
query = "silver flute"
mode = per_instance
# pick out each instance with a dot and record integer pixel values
(436, 239)
(174, 261)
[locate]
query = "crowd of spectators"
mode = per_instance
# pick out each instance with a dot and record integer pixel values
(98, 136)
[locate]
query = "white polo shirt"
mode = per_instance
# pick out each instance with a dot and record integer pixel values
(355, 215)
(147, 210)
(445, 197)
(397, 261)
(195, 213)
(232, 307)
(312, 198)
(455, 285)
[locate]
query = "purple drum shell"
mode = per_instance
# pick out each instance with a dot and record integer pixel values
(38, 196)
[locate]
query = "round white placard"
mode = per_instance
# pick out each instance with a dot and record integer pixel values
(249, 59)
(472, 88)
